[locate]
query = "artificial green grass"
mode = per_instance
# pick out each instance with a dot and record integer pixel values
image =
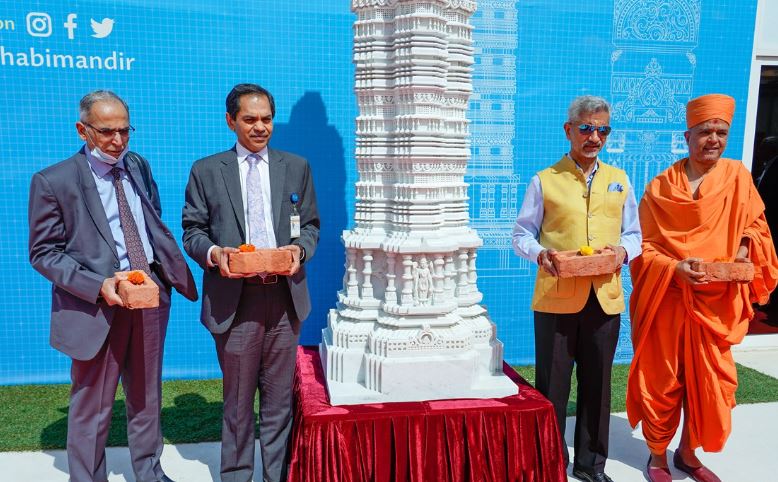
(34, 417)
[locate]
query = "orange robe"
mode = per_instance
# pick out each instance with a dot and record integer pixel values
(681, 333)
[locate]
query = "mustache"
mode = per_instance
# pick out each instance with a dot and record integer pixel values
(592, 144)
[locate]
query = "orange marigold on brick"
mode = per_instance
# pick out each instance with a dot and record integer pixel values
(136, 277)
(247, 248)
(586, 251)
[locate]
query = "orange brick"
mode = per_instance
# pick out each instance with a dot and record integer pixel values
(261, 261)
(723, 271)
(138, 296)
(570, 264)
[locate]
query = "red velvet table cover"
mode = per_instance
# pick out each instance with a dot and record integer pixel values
(507, 439)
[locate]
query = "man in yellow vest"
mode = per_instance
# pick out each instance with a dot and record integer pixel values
(579, 201)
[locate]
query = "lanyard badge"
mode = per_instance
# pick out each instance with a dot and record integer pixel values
(294, 218)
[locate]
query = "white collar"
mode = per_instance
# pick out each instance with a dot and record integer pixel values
(243, 153)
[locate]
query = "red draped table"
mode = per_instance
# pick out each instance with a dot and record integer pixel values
(507, 439)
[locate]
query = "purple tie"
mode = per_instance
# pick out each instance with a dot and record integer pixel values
(132, 241)
(255, 201)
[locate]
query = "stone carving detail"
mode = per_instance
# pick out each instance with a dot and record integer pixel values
(408, 324)
(422, 282)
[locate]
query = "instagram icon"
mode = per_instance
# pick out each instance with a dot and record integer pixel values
(39, 24)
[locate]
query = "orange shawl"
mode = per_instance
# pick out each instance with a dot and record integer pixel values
(676, 226)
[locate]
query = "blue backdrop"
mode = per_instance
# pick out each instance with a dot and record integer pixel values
(174, 64)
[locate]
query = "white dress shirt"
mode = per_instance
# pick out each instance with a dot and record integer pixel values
(267, 204)
(264, 175)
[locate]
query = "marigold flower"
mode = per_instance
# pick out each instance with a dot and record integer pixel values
(136, 277)
(586, 251)
(247, 248)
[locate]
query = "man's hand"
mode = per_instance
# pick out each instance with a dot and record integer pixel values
(621, 255)
(742, 252)
(685, 273)
(545, 261)
(296, 251)
(109, 292)
(221, 258)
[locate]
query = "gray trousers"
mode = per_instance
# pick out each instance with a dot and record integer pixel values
(258, 351)
(132, 352)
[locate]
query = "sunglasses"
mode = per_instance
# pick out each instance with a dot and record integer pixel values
(588, 129)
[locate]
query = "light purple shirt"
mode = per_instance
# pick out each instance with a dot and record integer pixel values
(101, 172)
(526, 230)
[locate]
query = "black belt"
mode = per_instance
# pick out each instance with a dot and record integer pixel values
(270, 279)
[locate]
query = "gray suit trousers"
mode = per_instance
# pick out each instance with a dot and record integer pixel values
(258, 351)
(133, 352)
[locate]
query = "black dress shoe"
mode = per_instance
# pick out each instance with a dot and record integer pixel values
(580, 474)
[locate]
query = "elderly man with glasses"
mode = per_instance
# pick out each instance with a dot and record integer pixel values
(91, 215)
(579, 202)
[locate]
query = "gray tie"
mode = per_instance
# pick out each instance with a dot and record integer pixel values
(255, 201)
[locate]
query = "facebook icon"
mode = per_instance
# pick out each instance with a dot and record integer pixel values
(70, 25)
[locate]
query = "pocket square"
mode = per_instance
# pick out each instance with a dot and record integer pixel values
(615, 187)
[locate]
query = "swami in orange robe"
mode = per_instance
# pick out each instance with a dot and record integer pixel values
(702, 208)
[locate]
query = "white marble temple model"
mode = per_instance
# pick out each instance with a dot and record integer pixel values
(408, 324)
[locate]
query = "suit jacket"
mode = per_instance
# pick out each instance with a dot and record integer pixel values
(214, 215)
(768, 189)
(72, 246)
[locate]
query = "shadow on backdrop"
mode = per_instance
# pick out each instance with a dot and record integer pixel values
(308, 134)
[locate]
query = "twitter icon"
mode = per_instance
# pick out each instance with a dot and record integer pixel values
(103, 28)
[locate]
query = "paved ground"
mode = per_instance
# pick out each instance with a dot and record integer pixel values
(748, 457)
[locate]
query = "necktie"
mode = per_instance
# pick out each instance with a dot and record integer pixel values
(255, 201)
(132, 241)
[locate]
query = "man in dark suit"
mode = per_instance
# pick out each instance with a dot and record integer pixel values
(767, 185)
(255, 195)
(92, 215)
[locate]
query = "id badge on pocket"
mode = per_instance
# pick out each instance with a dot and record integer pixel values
(294, 219)
(294, 225)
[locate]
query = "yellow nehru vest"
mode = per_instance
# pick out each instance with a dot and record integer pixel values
(575, 216)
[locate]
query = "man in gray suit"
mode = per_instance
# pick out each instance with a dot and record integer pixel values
(91, 215)
(255, 195)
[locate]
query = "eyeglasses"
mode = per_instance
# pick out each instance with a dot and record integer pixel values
(588, 129)
(110, 133)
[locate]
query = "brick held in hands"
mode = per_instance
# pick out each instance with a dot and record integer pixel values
(570, 264)
(137, 296)
(725, 271)
(261, 261)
